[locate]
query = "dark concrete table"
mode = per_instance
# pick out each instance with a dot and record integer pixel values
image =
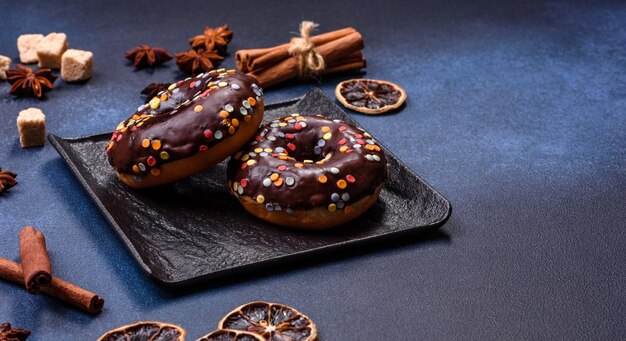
(516, 113)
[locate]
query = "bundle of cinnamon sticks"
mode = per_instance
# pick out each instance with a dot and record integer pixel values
(35, 272)
(340, 50)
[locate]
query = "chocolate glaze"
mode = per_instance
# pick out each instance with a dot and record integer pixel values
(366, 164)
(175, 120)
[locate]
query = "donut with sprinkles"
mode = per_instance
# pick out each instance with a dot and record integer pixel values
(307, 171)
(194, 124)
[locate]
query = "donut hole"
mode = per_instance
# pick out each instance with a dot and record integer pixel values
(308, 155)
(310, 147)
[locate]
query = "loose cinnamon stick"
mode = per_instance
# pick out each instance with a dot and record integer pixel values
(58, 288)
(333, 52)
(34, 259)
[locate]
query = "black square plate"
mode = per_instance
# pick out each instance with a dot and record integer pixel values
(193, 230)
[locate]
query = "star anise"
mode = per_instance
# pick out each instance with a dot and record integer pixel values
(153, 89)
(12, 334)
(28, 83)
(196, 62)
(212, 39)
(7, 180)
(145, 55)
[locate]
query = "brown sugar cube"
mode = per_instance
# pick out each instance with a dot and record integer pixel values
(50, 50)
(27, 45)
(76, 65)
(31, 124)
(5, 64)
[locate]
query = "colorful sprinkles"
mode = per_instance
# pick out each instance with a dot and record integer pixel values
(309, 152)
(191, 95)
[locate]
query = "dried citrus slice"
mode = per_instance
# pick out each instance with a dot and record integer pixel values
(273, 321)
(370, 96)
(231, 335)
(145, 331)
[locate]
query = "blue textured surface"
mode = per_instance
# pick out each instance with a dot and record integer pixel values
(516, 113)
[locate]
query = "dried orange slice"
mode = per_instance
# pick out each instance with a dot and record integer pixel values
(370, 96)
(273, 321)
(231, 335)
(145, 331)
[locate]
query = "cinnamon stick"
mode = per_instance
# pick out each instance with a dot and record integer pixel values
(340, 48)
(35, 260)
(262, 58)
(340, 51)
(354, 65)
(354, 58)
(244, 58)
(57, 287)
(333, 52)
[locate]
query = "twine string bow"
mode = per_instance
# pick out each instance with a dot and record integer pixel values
(310, 62)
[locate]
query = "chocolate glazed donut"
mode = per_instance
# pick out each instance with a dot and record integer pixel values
(308, 172)
(196, 123)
